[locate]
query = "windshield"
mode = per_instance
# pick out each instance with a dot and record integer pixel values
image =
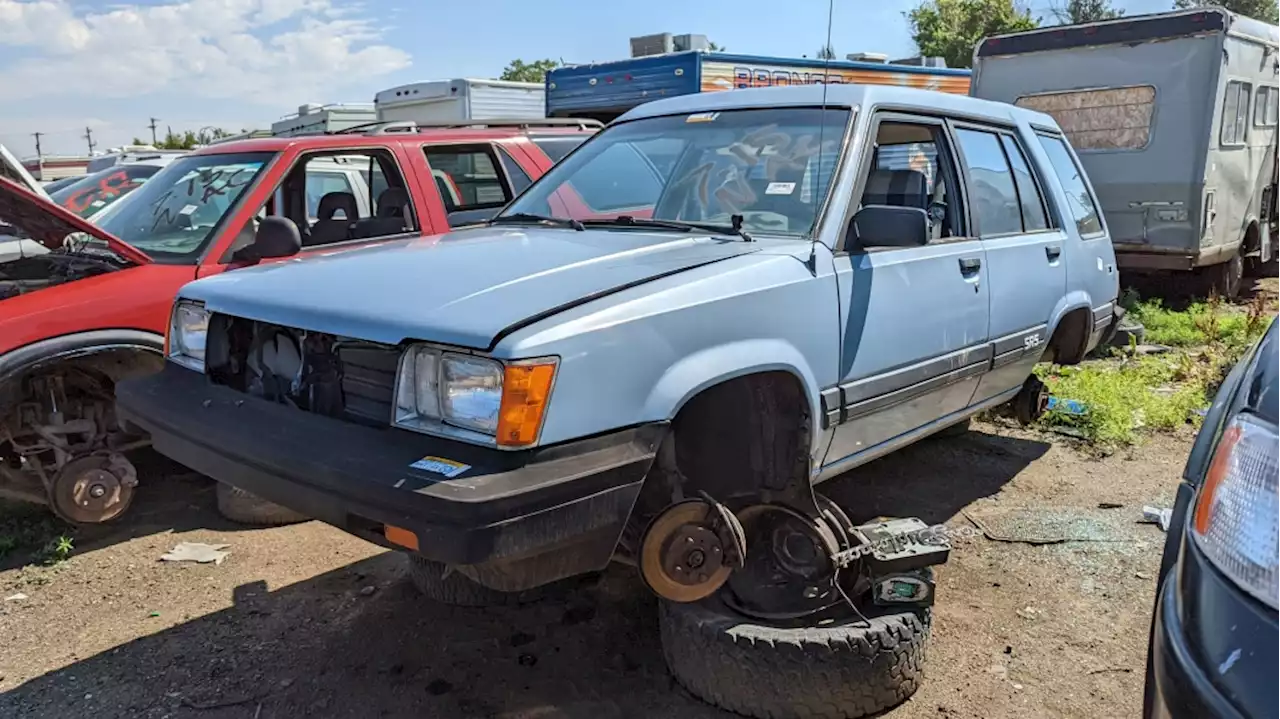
(769, 166)
(175, 213)
(91, 194)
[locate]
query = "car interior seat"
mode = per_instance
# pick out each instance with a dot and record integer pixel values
(329, 228)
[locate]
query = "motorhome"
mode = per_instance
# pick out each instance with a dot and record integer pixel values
(1185, 185)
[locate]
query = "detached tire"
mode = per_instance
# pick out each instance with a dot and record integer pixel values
(248, 508)
(437, 583)
(836, 671)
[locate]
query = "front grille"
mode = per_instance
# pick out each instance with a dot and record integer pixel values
(348, 379)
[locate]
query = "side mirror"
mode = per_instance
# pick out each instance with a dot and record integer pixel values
(890, 226)
(275, 237)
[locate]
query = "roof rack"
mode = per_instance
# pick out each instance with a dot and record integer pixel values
(398, 126)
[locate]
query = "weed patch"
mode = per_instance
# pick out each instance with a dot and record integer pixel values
(1128, 395)
(32, 529)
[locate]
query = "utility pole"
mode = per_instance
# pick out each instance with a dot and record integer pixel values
(154, 120)
(88, 135)
(38, 135)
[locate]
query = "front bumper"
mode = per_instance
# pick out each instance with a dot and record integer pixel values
(1213, 649)
(531, 517)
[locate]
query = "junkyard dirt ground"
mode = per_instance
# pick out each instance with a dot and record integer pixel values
(307, 621)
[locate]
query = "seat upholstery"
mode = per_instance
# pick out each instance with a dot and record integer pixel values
(392, 216)
(329, 229)
(897, 188)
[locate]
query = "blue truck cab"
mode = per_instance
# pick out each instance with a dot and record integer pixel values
(653, 355)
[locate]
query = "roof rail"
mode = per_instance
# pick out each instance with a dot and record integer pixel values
(399, 126)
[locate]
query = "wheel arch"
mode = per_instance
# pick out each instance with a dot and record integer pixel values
(1070, 327)
(78, 345)
(699, 372)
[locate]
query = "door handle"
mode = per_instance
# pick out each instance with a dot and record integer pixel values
(1053, 252)
(970, 265)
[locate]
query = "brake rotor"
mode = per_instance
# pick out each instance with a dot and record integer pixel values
(93, 489)
(682, 557)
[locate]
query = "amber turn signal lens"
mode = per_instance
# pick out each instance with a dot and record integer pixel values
(525, 390)
(400, 536)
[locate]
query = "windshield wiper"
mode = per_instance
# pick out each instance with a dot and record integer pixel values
(629, 221)
(525, 217)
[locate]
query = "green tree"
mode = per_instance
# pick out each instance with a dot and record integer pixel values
(826, 53)
(950, 29)
(1257, 9)
(1081, 11)
(536, 71)
(716, 47)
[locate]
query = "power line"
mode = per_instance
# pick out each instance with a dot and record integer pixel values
(88, 135)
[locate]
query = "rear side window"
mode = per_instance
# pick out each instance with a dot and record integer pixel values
(1080, 202)
(1033, 217)
(993, 199)
(519, 178)
(1235, 113)
(557, 147)
(467, 177)
(1266, 106)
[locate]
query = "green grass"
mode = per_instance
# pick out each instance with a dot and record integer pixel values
(1129, 395)
(33, 530)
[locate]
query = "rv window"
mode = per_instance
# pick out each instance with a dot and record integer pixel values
(1084, 209)
(1266, 105)
(993, 200)
(1235, 113)
(1113, 118)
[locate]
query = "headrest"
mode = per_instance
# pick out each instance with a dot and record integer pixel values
(898, 188)
(331, 202)
(392, 201)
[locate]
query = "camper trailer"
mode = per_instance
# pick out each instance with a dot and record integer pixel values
(1174, 117)
(460, 100)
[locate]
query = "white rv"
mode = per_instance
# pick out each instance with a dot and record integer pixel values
(445, 101)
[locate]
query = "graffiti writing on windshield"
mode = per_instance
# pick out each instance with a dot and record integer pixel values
(109, 187)
(765, 153)
(196, 192)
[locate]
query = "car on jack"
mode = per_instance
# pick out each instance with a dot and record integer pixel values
(83, 305)
(1214, 632)
(771, 288)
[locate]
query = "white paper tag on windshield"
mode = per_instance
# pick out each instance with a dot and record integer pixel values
(187, 210)
(780, 188)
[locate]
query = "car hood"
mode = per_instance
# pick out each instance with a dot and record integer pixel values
(466, 289)
(43, 221)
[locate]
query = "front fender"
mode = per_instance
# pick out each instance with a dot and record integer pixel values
(696, 372)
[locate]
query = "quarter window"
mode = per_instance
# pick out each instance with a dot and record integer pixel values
(1235, 113)
(519, 178)
(1084, 210)
(1033, 215)
(993, 198)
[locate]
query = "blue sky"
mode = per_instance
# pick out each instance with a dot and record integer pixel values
(244, 63)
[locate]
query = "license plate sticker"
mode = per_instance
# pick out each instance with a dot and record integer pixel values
(440, 465)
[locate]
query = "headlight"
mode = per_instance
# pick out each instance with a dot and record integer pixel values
(1236, 519)
(188, 329)
(443, 392)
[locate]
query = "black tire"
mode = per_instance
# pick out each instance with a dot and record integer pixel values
(840, 670)
(248, 508)
(959, 429)
(438, 583)
(1225, 279)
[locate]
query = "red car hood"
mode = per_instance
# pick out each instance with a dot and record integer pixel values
(49, 224)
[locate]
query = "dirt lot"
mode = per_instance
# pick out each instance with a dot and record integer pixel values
(307, 621)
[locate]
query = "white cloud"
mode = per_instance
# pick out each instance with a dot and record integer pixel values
(270, 52)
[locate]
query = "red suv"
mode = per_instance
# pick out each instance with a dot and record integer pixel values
(83, 306)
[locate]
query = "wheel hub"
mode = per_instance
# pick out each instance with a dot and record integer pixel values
(687, 553)
(93, 489)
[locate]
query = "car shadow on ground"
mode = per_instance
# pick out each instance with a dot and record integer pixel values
(360, 642)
